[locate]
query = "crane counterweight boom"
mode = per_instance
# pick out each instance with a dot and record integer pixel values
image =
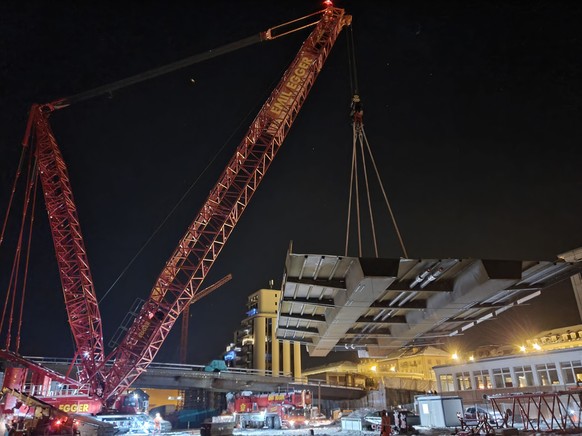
(267, 35)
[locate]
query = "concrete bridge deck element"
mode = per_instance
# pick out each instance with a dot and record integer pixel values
(378, 306)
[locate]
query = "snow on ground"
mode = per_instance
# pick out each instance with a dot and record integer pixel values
(335, 431)
(322, 431)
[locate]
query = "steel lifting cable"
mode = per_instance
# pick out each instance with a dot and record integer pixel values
(6, 216)
(16, 177)
(34, 190)
(354, 167)
(23, 158)
(396, 228)
(11, 293)
(368, 190)
(178, 203)
(360, 135)
(13, 283)
(357, 185)
(167, 217)
(350, 200)
(354, 87)
(354, 180)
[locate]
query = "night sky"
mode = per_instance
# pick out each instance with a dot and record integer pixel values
(473, 110)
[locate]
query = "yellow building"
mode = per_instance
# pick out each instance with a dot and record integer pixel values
(256, 342)
(412, 364)
(556, 339)
(416, 363)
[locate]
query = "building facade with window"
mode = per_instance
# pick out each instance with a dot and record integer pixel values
(255, 343)
(539, 371)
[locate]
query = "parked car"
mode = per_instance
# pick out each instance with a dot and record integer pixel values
(373, 420)
(474, 413)
(319, 420)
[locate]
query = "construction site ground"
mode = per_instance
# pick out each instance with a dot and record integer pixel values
(337, 431)
(322, 431)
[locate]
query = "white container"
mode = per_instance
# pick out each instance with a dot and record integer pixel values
(439, 412)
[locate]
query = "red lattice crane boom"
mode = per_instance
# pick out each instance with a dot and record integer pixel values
(77, 283)
(196, 252)
(179, 282)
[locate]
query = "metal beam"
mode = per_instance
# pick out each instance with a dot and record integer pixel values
(391, 304)
(308, 330)
(323, 283)
(391, 320)
(324, 302)
(314, 318)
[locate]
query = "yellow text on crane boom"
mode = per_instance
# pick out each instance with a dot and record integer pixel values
(289, 91)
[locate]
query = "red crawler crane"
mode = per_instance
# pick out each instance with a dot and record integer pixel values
(76, 281)
(180, 280)
(199, 247)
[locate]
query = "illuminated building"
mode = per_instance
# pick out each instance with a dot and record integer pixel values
(391, 381)
(551, 361)
(414, 363)
(255, 343)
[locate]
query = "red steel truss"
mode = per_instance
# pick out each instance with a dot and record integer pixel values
(180, 279)
(77, 284)
(559, 411)
(179, 282)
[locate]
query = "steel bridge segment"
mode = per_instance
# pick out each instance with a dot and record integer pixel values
(389, 304)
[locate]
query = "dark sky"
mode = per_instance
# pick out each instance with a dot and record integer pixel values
(473, 110)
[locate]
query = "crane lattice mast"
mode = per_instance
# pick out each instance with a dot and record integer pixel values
(196, 252)
(180, 281)
(77, 284)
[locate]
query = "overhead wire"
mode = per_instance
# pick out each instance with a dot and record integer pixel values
(180, 200)
(167, 217)
(269, 34)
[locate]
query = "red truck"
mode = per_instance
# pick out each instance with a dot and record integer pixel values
(271, 410)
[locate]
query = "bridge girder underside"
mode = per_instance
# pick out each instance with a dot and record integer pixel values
(379, 306)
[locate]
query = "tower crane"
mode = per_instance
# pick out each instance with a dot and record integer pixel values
(102, 377)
